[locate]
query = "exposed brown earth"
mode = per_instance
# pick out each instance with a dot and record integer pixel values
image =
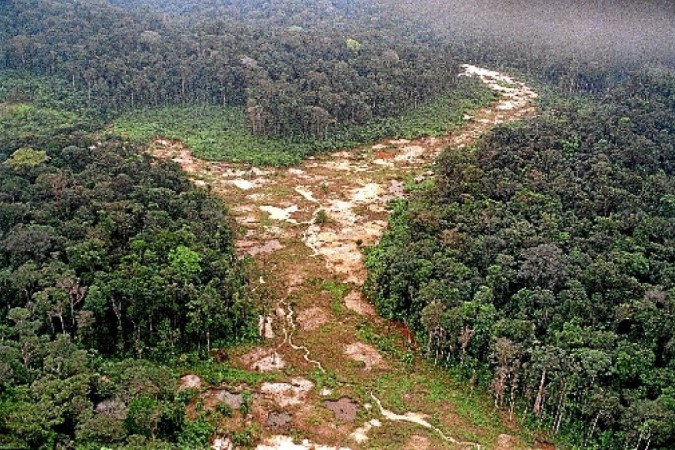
(309, 223)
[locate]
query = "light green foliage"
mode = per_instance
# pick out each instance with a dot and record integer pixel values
(196, 433)
(212, 132)
(336, 289)
(185, 262)
(36, 111)
(353, 45)
(26, 158)
(245, 437)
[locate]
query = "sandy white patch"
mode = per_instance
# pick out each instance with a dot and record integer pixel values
(306, 194)
(280, 214)
(399, 141)
(410, 153)
(222, 443)
(279, 442)
(263, 360)
(367, 193)
(360, 435)
(269, 363)
(244, 185)
(287, 394)
(265, 327)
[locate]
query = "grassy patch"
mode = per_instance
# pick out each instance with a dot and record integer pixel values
(222, 133)
(336, 289)
(215, 373)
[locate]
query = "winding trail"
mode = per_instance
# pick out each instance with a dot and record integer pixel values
(305, 226)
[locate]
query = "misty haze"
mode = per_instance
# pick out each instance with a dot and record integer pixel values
(337, 224)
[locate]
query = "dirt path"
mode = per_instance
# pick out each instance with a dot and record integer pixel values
(305, 226)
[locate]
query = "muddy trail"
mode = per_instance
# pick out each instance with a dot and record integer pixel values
(339, 376)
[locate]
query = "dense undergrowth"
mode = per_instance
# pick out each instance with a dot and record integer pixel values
(544, 262)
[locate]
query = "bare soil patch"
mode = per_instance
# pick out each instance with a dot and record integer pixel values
(418, 442)
(344, 409)
(190, 381)
(263, 360)
(279, 420)
(287, 394)
(312, 318)
(504, 442)
(357, 303)
(365, 353)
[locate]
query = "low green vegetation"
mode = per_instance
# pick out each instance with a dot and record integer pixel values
(224, 133)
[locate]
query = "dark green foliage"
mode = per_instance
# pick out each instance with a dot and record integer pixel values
(106, 253)
(108, 240)
(548, 255)
(302, 76)
(40, 111)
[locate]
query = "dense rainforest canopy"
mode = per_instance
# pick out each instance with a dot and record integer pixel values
(299, 74)
(111, 265)
(544, 262)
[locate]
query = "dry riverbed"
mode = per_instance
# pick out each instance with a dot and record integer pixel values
(305, 227)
